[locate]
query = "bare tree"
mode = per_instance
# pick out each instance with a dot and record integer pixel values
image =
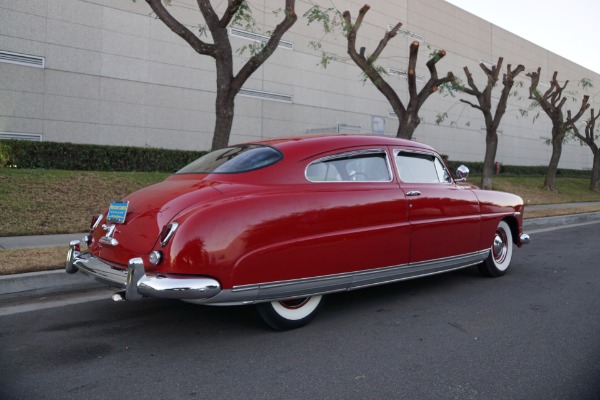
(589, 139)
(407, 115)
(552, 102)
(228, 83)
(492, 121)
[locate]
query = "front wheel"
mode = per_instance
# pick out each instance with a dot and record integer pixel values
(500, 255)
(290, 314)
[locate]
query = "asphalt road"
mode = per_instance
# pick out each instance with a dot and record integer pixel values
(532, 334)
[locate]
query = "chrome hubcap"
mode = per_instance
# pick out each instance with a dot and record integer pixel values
(499, 247)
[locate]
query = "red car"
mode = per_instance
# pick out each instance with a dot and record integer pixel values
(280, 223)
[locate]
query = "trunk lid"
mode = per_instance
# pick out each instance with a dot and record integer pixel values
(155, 206)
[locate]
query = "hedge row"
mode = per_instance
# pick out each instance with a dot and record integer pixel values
(87, 157)
(476, 168)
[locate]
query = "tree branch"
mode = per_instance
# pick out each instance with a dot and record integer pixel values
(412, 65)
(473, 105)
(258, 59)
(383, 42)
(178, 28)
(210, 16)
(368, 68)
(474, 91)
(589, 128)
(434, 82)
(492, 75)
(591, 124)
(434, 60)
(361, 15)
(508, 80)
(232, 8)
(584, 106)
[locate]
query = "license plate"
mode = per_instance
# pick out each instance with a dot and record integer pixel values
(117, 212)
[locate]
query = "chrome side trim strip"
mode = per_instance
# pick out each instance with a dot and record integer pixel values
(260, 292)
(418, 270)
(205, 290)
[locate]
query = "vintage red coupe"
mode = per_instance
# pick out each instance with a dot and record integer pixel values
(282, 222)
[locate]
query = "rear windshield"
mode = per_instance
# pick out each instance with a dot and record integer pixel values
(233, 160)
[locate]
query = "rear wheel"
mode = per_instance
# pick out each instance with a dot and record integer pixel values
(500, 255)
(290, 314)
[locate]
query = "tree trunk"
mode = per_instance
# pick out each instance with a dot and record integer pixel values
(225, 105)
(491, 140)
(225, 100)
(595, 171)
(407, 127)
(557, 140)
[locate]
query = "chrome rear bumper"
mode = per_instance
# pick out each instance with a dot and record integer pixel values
(136, 283)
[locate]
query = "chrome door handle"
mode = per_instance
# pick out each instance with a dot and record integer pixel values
(413, 193)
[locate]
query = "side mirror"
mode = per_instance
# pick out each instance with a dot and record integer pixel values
(462, 173)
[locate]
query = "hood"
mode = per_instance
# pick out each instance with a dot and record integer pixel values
(155, 206)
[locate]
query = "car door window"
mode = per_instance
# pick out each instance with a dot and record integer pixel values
(420, 168)
(363, 165)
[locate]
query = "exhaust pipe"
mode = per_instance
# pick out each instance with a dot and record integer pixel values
(119, 296)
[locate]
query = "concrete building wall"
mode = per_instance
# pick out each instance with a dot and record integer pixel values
(113, 74)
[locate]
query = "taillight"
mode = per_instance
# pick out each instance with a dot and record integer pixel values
(167, 233)
(95, 221)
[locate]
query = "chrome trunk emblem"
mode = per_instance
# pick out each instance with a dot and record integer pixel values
(108, 238)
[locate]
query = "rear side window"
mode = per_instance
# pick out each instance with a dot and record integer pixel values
(363, 165)
(233, 160)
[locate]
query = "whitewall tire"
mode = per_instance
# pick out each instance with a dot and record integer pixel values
(290, 314)
(501, 251)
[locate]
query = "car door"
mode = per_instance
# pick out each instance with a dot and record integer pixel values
(444, 217)
(356, 194)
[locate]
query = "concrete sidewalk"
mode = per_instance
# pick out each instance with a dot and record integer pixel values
(28, 242)
(35, 284)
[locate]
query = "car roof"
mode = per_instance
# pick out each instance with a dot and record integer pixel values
(300, 147)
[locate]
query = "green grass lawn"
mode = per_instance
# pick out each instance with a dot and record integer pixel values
(38, 202)
(530, 189)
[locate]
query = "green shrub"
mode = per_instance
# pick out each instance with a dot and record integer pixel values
(3, 155)
(87, 157)
(476, 168)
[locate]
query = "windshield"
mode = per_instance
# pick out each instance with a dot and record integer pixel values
(232, 160)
